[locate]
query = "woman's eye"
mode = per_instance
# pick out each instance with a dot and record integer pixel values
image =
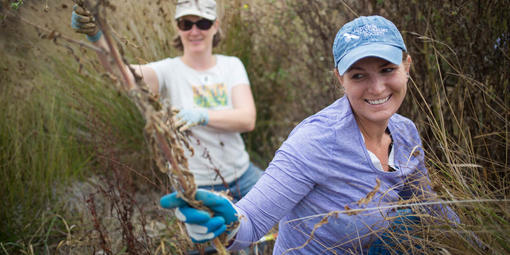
(356, 76)
(388, 70)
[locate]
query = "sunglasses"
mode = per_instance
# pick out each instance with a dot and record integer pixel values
(202, 24)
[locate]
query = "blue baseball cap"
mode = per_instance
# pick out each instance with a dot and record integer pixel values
(372, 36)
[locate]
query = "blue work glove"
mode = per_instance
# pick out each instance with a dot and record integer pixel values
(200, 225)
(187, 118)
(82, 21)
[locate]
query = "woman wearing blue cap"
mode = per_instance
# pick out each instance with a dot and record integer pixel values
(212, 92)
(334, 183)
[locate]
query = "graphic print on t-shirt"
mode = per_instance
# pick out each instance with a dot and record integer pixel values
(208, 96)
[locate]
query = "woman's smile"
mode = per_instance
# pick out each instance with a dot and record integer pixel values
(196, 40)
(378, 101)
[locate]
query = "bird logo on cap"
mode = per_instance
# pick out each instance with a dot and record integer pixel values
(348, 37)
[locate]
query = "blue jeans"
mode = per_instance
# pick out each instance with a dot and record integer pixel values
(401, 225)
(242, 185)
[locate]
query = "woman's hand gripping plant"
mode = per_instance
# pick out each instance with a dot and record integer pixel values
(201, 226)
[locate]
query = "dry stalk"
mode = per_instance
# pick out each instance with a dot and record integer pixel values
(371, 194)
(105, 244)
(323, 221)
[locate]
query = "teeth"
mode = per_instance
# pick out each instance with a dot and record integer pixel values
(378, 101)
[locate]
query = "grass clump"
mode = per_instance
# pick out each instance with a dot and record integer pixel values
(39, 151)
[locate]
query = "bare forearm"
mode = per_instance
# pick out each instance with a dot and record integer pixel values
(103, 57)
(236, 120)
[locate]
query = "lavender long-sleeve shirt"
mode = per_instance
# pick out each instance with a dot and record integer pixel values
(322, 167)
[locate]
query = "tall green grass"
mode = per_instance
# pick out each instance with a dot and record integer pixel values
(39, 153)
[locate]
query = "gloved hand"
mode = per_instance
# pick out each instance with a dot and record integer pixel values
(83, 22)
(187, 118)
(200, 225)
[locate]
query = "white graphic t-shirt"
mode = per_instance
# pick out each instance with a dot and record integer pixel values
(211, 89)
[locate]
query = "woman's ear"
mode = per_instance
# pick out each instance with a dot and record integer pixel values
(216, 24)
(407, 64)
(339, 77)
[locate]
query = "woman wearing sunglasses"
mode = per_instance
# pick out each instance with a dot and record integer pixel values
(211, 91)
(344, 173)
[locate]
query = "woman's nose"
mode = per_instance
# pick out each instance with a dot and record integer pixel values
(194, 29)
(378, 85)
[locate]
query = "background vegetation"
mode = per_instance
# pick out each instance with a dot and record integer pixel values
(75, 172)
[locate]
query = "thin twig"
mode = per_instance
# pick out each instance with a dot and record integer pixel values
(356, 211)
(53, 34)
